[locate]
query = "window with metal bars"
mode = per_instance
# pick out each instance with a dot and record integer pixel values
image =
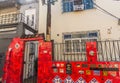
(75, 42)
(77, 5)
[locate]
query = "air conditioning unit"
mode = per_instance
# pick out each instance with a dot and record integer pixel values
(78, 7)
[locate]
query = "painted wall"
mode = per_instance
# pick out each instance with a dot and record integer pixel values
(93, 19)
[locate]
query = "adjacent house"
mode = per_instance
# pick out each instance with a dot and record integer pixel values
(30, 9)
(17, 18)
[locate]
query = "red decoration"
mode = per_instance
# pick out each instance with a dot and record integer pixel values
(50, 71)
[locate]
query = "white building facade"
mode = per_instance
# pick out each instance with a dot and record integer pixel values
(81, 20)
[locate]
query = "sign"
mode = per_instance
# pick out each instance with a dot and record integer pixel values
(88, 72)
(96, 72)
(113, 73)
(61, 70)
(105, 73)
(81, 72)
(68, 68)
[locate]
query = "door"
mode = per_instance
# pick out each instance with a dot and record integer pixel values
(30, 18)
(30, 62)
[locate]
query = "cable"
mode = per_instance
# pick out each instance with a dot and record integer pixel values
(106, 11)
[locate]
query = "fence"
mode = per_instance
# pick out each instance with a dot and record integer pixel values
(106, 51)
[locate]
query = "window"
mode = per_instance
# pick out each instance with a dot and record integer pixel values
(76, 42)
(27, 19)
(32, 24)
(75, 5)
(67, 5)
(88, 4)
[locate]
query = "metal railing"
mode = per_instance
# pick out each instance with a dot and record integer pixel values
(70, 52)
(14, 18)
(106, 51)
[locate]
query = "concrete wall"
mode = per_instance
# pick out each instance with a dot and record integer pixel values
(92, 19)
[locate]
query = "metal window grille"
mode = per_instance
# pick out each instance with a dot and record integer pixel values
(76, 51)
(73, 5)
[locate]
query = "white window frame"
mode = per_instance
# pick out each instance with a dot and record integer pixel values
(82, 49)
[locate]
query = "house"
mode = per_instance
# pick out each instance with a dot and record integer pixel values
(30, 9)
(81, 20)
(17, 18)
(75, 21)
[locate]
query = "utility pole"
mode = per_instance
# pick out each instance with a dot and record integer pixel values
(48, 23)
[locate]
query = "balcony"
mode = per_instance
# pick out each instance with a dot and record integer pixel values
(13, 18)
(11, 23)
(14, 25)
(8, 3)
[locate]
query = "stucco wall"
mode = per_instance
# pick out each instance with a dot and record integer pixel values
(93, 19)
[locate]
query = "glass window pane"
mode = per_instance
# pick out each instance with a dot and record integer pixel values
(71, 6)
(67, 36)
(76, 36)
(67, 5)
(88, 4)
(77, 2)
(93, 34)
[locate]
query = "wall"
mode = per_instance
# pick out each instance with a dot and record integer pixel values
(93, 19)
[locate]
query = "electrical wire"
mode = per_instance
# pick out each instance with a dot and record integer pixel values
(106, 11)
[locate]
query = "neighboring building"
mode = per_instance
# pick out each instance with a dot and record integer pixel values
(30, 8)
(81, 20)
(16, 20)
(8, 9)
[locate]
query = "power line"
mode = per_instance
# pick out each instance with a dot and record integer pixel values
(106, 11)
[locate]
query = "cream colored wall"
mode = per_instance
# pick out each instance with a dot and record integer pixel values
(93, 19)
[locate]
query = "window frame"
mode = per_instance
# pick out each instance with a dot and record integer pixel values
(86, 4)
(81, 48)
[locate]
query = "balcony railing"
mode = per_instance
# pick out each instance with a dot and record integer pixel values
(14, 18)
